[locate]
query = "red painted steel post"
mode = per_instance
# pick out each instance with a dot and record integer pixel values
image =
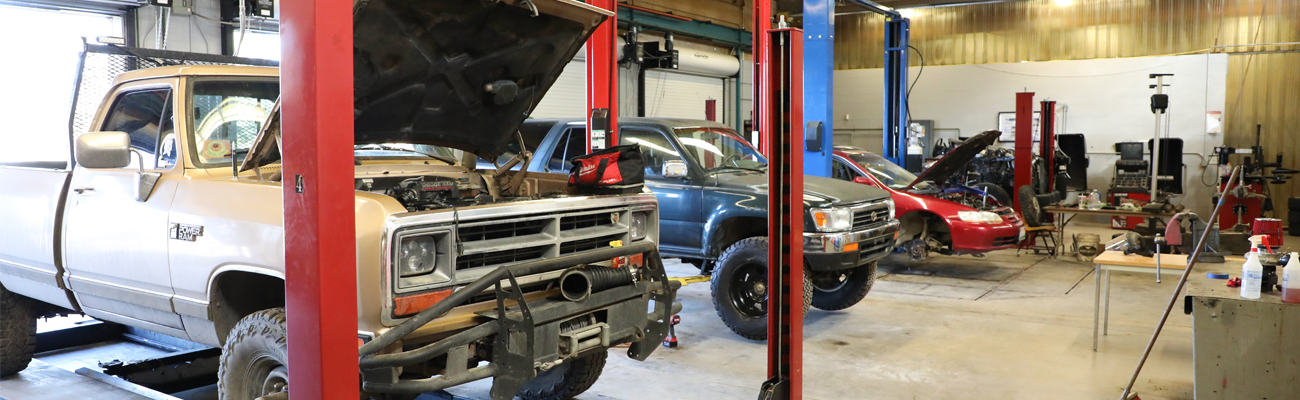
(1024, 151)
(602, 74)
(319, 232)
(783, 129)
(762, 22)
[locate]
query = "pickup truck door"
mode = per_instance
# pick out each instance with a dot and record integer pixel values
(115, 246)
(681, 219)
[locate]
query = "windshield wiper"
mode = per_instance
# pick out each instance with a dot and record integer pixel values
(720, 169)
(445, 159)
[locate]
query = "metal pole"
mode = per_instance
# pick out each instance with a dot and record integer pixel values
(1155, 144)
(1182, 281)
(319, 230)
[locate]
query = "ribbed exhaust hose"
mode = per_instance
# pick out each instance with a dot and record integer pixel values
(578, 283)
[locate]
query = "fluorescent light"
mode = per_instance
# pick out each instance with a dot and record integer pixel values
(907, 13)
(1064, 3)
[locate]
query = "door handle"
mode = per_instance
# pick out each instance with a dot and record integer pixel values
(83, 191)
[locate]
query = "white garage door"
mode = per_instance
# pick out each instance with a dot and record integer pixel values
(41, 49)
(567, 98)
(678, 95)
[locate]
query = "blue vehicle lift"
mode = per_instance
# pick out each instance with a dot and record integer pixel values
(819, 70)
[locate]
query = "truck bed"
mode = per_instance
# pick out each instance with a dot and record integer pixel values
(31, 212)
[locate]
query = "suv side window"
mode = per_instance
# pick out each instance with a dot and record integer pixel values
(572, 143)
(843, 172)
(145, 115)
(655, 148)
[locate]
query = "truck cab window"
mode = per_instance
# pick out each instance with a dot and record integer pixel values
(655, 148)
(142, 115)
(227, 116)
(572, 143)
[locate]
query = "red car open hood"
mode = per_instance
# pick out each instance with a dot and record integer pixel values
(956, 160)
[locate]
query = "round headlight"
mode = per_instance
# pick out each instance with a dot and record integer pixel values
(417, 256)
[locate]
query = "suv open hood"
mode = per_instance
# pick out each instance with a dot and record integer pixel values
(459, 73)
(957, 159)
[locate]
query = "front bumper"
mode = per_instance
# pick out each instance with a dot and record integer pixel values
(969, 237)
(826, 251)
(524, 336)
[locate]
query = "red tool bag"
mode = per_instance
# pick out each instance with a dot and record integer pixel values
(616, 170)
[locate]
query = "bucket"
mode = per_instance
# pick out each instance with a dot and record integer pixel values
(1087, 246)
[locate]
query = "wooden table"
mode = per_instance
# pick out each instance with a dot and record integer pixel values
(1117, 261)
(1075, 211)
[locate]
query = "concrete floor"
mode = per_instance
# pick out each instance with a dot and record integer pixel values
(1001, 327)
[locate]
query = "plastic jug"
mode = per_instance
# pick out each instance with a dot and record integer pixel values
(1291, 280)
(1252, 272)
(1094, 201)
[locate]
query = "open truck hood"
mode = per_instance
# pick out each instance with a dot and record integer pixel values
(459, 73)
(957, 159)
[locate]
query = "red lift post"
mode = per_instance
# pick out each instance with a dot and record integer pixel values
(319, 232)
(1024, 151)
(602, 82)
(782, 117)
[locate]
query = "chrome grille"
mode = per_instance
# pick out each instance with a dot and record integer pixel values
(870, 216)
(486, 245)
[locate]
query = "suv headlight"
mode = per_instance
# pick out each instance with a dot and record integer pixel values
(417, 255)
(981, 217)
(833, 219)
(890, 203)
(639, 229)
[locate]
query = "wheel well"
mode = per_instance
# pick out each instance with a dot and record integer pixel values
(236, 294)
(733, 230)
(913, 223)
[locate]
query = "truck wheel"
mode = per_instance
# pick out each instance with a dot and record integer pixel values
(996, 192)
(17, 332)
(740, 288)
(567, 380)
(838, 290)
(255, 359)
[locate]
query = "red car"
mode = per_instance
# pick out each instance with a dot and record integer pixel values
(947, 219)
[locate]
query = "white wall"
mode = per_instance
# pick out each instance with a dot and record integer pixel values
(1105, 99)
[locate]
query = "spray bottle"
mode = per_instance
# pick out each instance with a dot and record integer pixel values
(1291, 280)
(1252, 272)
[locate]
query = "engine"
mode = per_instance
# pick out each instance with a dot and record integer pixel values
(427, 192)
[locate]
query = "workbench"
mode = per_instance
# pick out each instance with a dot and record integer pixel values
(1117, 261)
(1242, 349)
(1075, 211)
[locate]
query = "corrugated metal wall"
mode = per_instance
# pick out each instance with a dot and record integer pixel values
(1263, 80)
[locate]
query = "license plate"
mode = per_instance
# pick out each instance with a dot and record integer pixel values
(1022, 234)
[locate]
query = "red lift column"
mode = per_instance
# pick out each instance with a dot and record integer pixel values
(319, 232)
(602, 81)
(1047, 144)
(783, 127)
(1024, 152)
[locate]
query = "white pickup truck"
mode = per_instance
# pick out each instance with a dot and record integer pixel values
(170, 216)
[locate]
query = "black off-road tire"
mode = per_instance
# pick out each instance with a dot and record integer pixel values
(997, 192)
(256, 348)
(745, 253)
(1029, 209)
(566, 380)
(852, 290)
(1293, 204)
(17, 332)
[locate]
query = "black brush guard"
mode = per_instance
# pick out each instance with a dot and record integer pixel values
(526, 332)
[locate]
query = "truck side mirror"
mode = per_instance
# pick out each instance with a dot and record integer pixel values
(675, 169)
(104, 150)
(864, 180)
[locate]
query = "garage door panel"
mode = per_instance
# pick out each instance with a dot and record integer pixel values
(678, 95)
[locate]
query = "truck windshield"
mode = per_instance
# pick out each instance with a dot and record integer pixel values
(887, 172)
(716, 149)
(226, 116)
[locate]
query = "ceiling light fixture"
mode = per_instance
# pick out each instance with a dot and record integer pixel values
(1064, 3)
